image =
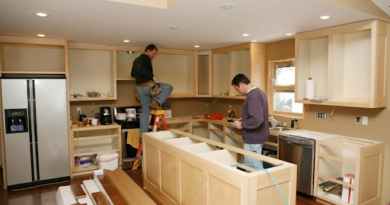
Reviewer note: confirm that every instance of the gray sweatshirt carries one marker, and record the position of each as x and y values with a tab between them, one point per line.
255	117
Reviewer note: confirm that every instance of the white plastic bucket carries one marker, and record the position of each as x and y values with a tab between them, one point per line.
107	161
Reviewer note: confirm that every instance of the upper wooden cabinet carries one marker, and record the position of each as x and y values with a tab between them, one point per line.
33	55
348	64
247	59
177	69
203	74
92	69
124	64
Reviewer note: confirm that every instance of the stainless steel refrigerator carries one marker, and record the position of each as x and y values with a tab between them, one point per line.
35	129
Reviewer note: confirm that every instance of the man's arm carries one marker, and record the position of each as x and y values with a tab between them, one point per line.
144	67
255	113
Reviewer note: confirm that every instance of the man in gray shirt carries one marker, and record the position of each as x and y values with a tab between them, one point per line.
254	120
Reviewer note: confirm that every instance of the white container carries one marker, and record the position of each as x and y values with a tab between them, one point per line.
107	161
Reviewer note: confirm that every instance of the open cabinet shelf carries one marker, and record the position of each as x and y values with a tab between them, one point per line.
92	71
247	59
91	140
32	55
336	157
348	64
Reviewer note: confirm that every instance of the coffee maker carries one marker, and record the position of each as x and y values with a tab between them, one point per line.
105	116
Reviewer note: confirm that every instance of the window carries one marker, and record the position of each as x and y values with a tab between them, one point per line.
282	87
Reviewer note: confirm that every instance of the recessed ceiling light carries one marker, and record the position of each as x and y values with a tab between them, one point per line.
126	41
41	35
227	6
174	27
324	17
245	34
254	41
41	14
288	34
196	46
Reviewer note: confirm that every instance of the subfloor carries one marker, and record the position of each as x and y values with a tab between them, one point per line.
45	195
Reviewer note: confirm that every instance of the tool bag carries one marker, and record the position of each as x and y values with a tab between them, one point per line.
154	89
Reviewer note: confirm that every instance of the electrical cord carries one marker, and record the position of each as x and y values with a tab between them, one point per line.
257	166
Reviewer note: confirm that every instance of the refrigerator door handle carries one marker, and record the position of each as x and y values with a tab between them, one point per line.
30	133
35	128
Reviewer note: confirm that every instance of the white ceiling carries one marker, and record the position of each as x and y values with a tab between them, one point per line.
383	4
200	22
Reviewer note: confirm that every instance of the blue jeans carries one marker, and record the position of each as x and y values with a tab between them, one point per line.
257	148
145	98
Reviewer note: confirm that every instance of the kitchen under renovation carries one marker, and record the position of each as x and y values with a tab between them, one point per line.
194	102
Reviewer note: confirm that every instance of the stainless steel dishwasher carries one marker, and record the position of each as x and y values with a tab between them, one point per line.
299	151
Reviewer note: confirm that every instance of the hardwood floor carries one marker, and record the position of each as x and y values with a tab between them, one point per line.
45	195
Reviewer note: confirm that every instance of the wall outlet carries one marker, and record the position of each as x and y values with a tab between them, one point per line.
321	115
230	106
357	120
365	120
205	104
79	110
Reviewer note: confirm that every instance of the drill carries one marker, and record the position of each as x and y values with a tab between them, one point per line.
231	116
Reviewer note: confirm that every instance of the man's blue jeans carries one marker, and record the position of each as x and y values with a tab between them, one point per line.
145	99
256	148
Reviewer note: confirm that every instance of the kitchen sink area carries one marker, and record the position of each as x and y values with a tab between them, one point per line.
280	129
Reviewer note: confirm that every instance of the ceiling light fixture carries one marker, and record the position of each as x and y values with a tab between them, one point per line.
196	46
254	41
227	6
126	41
288	34
41	14
245	34
324	17
41	35
174	27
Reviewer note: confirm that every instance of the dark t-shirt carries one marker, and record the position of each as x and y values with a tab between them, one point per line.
142	69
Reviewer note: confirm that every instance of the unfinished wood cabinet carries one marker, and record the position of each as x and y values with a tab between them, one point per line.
21	55
247	59
92	69
348	64
91	140
338	156
124	64
180	168
176	69
203	74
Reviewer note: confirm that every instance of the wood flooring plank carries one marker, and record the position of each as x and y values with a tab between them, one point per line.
77	191
99	198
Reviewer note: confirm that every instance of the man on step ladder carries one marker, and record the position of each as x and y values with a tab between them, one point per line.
148	91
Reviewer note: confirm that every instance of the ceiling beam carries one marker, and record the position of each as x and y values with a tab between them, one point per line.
365	6
162	4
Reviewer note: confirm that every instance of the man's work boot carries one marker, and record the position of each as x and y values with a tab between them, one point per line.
155	105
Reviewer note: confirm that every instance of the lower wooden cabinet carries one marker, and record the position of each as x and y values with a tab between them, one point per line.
181	168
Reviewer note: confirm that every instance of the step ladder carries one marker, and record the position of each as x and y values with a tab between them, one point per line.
156	115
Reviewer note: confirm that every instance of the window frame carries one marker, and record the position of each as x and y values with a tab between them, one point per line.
272	65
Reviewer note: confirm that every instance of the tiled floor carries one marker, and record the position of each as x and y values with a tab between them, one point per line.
45	195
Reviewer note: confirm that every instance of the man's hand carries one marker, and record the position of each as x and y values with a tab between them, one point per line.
238	124
155	79
239	119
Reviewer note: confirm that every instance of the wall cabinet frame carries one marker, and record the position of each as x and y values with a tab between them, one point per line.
247	58
348	64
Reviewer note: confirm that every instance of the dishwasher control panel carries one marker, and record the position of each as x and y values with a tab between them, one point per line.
296	139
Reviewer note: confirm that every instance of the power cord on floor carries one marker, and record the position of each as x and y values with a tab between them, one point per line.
257	166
